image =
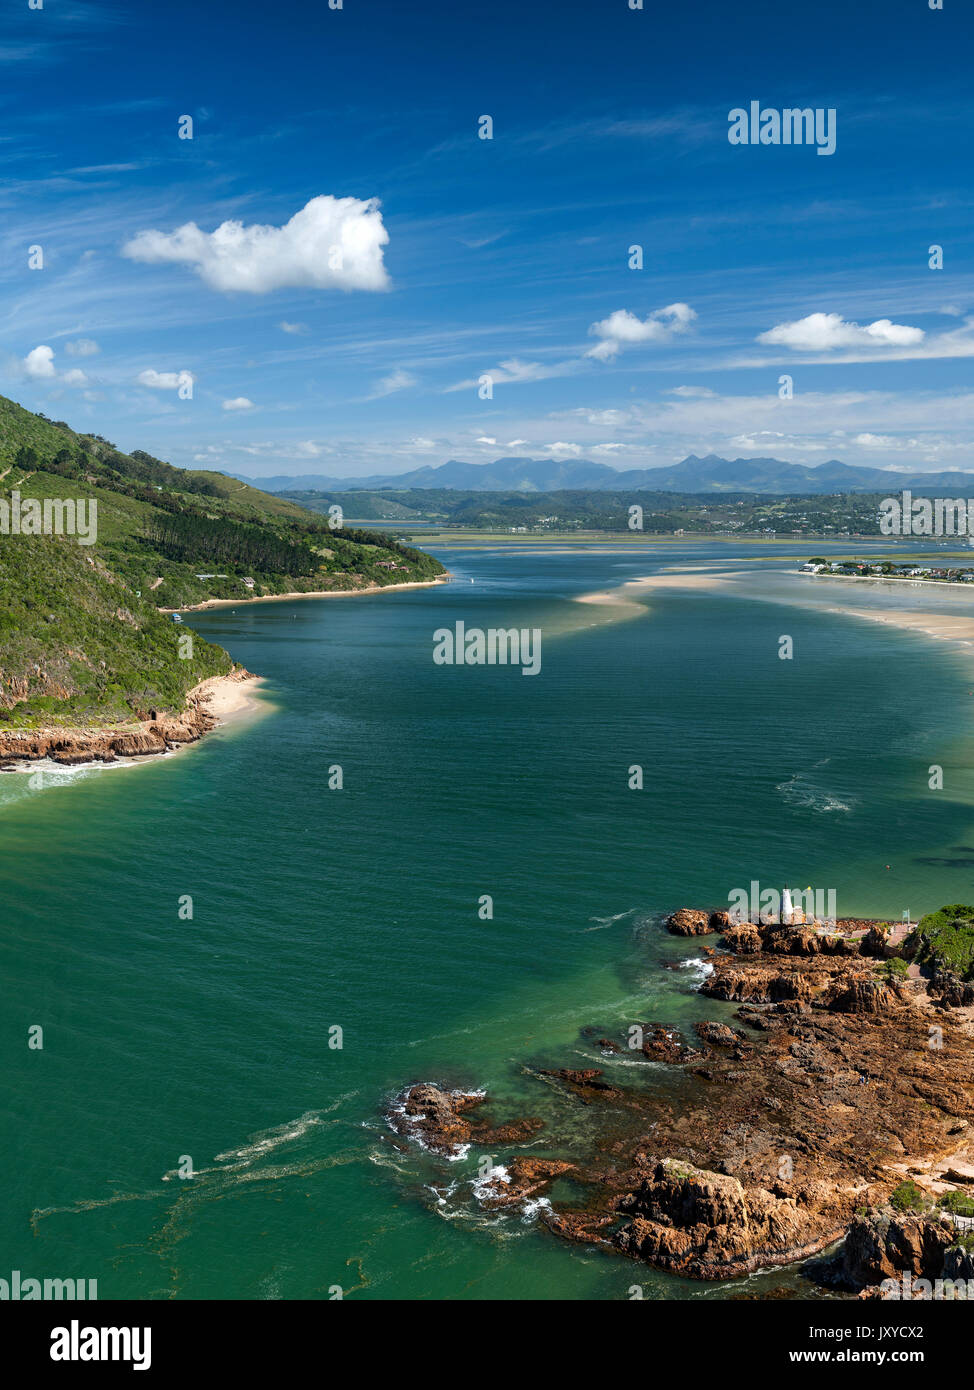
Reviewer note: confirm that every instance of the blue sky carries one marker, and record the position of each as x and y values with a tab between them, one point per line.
507	257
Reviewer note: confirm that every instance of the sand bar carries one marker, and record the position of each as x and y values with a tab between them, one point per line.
627	595
947	627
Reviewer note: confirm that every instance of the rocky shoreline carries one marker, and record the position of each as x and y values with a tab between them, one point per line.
848	1084
160	732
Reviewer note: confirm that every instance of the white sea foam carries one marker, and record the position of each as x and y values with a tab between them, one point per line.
483	1190
603	922
616	1059
265	1141
698	966
482	1186
532	1208
441	1194
800	792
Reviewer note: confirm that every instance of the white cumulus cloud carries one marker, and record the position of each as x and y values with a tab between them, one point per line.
164	381
876	441
238	403
39	363
823	332
82	347
623	329
332	243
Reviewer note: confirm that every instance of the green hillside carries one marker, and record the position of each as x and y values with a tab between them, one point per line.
77	647
81	635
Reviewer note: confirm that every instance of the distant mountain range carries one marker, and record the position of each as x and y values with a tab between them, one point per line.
710	474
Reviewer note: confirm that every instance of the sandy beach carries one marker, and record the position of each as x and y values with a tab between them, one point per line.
316	593
228	698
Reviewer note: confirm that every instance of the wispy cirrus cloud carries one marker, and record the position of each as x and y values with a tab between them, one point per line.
81	347
513	370
397	380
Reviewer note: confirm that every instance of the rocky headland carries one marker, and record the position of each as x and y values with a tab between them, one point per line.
838	1106
208	705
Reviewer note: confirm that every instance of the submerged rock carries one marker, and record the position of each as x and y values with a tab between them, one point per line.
665	1045
439	1120
585	1083
524	1179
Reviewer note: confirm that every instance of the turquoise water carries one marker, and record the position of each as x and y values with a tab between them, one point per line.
357	908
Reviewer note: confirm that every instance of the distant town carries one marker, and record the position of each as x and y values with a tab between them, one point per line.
886	569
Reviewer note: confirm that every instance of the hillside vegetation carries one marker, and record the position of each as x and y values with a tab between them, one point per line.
78	648
82	638
945	939
663	513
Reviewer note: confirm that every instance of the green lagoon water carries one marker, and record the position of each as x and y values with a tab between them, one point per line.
209	1037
